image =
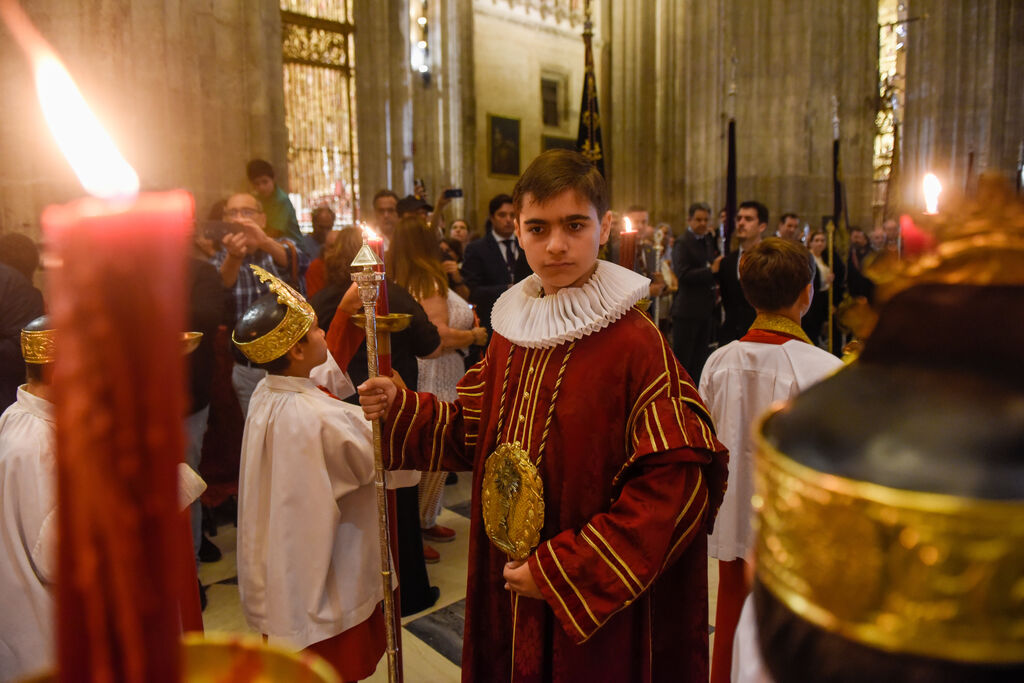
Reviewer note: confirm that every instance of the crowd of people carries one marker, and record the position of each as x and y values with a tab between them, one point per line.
674	357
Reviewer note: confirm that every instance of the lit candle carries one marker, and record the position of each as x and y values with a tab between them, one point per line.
376	243
627	245
117	299
932	190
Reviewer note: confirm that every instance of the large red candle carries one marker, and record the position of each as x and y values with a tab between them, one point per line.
118	301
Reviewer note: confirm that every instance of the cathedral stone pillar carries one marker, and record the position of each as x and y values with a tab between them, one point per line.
963	97
384	112
189	90
671	68
440	134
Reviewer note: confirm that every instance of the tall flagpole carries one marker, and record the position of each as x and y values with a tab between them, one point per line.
588	137
837	208
730	163
368	279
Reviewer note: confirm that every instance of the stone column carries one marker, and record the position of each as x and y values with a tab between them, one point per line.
383	98
439	133
189	90
963	95
670	71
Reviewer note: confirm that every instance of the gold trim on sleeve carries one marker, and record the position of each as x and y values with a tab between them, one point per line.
558	565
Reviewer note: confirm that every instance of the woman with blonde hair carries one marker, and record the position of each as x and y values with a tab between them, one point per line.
414	261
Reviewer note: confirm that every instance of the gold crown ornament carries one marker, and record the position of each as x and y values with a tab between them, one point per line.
298	318
39	346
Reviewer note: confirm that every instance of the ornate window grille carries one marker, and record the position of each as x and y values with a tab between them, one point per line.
892	29
320	106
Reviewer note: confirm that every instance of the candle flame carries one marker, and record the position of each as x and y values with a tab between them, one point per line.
91	152
370	234
932	189
629	225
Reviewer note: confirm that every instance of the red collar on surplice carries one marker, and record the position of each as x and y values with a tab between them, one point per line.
324	389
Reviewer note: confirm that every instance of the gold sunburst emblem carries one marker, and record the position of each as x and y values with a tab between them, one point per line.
513	501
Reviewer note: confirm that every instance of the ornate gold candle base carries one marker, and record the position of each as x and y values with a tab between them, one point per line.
386	324
190	341
392	322
238	658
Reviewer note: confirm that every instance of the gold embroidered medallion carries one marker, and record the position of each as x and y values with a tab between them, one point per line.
513	501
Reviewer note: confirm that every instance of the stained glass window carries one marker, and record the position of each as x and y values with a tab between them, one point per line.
320	100
892	30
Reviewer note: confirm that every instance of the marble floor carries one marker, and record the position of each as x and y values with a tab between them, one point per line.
431	640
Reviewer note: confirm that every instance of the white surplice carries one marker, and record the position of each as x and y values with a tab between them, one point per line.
308	540
28	536
739	383
747	663
28	533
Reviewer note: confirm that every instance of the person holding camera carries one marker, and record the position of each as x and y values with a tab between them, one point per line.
247	243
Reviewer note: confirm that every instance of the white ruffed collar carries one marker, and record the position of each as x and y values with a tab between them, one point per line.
526	318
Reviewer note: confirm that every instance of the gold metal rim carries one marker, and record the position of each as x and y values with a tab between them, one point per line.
39	346
392	322
190	341
923	501
928	574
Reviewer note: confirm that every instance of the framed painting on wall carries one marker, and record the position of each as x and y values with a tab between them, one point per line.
504	145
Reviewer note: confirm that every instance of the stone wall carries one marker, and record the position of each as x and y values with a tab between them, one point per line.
667	140
512	47
189	90
963	94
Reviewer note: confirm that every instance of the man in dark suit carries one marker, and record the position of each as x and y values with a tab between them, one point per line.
494	262
751	222
695	262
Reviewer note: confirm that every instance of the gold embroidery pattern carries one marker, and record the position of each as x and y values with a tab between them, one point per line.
297	320
779	323
905	571
39	346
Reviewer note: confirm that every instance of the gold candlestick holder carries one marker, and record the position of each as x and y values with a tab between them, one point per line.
368	280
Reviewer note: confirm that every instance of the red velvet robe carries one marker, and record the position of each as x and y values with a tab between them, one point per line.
633	476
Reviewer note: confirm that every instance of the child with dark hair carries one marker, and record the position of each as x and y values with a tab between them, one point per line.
308	553
281	218
596	472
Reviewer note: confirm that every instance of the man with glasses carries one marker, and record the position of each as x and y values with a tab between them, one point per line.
249	245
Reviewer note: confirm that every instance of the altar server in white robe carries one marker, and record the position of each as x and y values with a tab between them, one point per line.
308	540
28	515
773	361
28	512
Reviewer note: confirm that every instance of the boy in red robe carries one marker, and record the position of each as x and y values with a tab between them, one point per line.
596	471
